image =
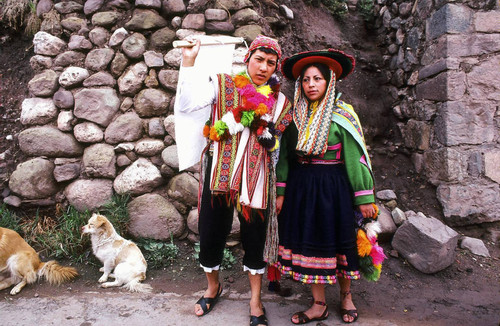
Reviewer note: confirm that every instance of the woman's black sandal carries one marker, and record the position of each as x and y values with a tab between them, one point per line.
348	312
203	302
304	319
261	320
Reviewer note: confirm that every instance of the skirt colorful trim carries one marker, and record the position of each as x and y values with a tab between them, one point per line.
317	226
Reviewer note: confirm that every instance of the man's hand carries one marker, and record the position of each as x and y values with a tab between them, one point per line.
279	203
189	54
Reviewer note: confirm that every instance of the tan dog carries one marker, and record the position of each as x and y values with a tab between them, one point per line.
116	253
20	264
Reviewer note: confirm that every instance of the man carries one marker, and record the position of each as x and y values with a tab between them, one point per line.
246	116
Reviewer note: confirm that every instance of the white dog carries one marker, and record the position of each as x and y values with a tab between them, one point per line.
116	253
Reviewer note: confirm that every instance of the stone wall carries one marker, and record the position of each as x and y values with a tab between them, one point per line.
99	120
443	64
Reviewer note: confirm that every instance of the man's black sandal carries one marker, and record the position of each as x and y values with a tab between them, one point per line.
203	302
261	320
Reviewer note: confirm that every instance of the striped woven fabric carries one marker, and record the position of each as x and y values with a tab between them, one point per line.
313	137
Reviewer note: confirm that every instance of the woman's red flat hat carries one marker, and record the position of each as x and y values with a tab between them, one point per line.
341	63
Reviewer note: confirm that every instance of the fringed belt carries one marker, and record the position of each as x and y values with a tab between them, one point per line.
307	160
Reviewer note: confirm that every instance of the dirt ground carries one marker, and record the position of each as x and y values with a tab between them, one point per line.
468	292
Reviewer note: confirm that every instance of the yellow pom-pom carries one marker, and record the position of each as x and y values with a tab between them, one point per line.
364	245
265	90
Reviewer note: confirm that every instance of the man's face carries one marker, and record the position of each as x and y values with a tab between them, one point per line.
261	66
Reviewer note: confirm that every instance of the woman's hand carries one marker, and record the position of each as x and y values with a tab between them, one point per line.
189	54
279	203
367	210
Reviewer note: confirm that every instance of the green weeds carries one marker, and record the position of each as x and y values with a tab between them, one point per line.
9	220
338	8
366	10
20	14
60	237
158	254
228	260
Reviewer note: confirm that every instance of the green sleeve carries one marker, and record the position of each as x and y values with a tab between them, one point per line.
287	154
358	172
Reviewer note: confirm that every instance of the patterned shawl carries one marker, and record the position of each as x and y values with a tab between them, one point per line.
240	164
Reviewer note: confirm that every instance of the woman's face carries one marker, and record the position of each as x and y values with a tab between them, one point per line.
313	84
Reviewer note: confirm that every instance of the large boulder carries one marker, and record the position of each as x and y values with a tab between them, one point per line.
38	111
44	84
101	78
134	46
34	179
64	99
152	102
99	59
427	243
387	225
73	76
98	105
153	216
89	194
139	178
48	141
170	157
149	147
184	188
144	19
99	36
88	132
66	169
173	7
46	44
99	161
125	128
162	38
131	81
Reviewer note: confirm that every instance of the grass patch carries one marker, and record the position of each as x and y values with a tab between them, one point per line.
14	12
117	213
9	220
19	14
366	10
157	253
60	236
228	259
338	8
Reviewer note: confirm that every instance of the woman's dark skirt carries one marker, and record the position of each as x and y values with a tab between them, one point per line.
317	226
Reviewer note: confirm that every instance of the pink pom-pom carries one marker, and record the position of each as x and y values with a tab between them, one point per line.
377	254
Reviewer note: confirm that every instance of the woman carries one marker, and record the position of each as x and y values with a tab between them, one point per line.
323	176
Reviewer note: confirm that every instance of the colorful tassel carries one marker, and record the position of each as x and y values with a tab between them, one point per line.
377	254
364	245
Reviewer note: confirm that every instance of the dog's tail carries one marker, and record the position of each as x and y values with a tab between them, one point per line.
136	286
55	273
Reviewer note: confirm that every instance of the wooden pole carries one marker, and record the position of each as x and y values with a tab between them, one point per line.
213	41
